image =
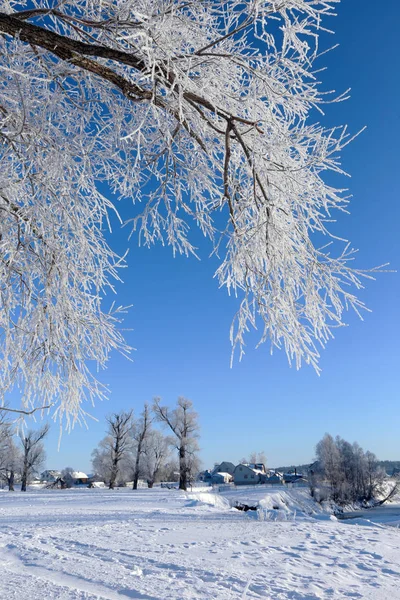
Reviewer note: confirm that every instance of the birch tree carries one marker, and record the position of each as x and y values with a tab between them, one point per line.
197	112
182	421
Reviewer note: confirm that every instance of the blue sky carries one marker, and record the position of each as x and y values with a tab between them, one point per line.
180	319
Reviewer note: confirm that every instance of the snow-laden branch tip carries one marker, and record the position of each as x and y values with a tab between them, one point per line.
193	110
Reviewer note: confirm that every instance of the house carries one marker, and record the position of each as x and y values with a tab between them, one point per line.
224	467
272	478
258	467
205	476
50	475
245	474
221	478
79	478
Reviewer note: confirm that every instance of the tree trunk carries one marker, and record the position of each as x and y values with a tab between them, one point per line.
114	473
136	471
24	478
11	478
183	479
137	464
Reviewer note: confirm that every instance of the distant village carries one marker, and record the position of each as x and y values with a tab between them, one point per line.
249	474
223	473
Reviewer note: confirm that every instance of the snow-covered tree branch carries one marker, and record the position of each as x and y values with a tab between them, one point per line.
198	111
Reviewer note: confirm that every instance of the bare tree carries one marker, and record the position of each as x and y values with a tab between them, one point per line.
33	454
375	475
10	455
156	454
328	458
140	432
102	459
170	471
67	475
192	109
5	429
183	423
116	444
10	462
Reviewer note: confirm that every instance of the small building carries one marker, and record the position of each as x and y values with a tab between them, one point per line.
246	475
79	478
220	478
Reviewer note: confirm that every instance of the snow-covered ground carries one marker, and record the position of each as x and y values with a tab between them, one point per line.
166	545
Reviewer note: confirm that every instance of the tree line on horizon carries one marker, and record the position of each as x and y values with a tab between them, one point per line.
132	448
389	466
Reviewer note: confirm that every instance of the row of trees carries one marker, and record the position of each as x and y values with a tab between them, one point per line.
134	449
21	454
344	472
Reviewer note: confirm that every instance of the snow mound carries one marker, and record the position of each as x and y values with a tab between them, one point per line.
207	499
280	504
281	507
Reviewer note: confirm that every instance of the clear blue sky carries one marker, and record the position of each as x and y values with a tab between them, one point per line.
181	320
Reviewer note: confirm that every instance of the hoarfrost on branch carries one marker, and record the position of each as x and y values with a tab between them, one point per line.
197	110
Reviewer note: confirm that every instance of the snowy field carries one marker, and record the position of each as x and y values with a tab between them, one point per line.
166	545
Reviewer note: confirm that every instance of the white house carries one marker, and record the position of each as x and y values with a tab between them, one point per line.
224	467
50	475
247	475
79	478
221	478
